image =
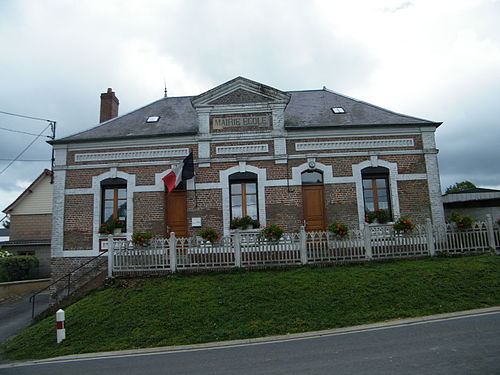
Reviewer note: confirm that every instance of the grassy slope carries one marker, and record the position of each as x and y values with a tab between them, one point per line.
185	309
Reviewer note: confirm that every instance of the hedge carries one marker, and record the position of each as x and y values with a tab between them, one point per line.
16	268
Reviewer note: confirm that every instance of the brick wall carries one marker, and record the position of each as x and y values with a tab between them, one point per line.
341	204
78	221
31	227
414	200
149	212
284	204
61	266
206	204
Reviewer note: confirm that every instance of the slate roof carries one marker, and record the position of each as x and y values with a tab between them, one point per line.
306	109
313	108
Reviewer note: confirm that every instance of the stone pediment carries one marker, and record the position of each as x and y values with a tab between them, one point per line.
240	96
240	91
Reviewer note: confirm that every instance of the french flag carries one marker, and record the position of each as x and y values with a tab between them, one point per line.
182	171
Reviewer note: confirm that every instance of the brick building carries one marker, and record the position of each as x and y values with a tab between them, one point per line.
285	158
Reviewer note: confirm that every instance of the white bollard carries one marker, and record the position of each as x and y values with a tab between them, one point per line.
61	331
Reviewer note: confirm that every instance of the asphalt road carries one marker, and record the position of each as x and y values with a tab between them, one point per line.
463	345
15	314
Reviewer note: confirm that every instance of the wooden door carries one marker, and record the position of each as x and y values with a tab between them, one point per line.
314	207
176	213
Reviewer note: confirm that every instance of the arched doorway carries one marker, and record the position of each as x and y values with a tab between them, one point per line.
313	196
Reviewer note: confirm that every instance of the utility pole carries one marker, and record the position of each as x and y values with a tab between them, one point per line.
53	159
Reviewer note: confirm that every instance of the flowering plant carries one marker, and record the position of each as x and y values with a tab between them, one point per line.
141	238
404	225
339	229
463	222
4	254
109	226
244	222
209	234
382	216
272	232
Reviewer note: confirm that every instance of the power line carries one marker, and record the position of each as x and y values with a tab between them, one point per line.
52	125
26	148
27	159
19	131
24	116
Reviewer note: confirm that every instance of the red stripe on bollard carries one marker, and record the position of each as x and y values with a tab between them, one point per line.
60	325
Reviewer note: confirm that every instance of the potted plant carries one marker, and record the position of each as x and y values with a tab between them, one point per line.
141	238
112	227
378	216
272	232
245	222
209	234
463	222
339	229
403	225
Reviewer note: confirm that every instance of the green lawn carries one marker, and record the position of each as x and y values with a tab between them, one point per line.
196	308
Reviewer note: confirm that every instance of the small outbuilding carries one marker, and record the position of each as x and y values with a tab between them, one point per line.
476	202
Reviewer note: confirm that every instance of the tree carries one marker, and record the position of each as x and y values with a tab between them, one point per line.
460	186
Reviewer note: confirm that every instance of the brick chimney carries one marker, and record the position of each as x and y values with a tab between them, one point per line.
109	105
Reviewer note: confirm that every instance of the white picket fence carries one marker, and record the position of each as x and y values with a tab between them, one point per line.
243	249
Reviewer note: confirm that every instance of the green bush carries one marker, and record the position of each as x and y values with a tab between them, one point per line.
16	268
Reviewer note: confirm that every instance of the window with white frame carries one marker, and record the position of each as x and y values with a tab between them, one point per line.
243	195
376	190
114	199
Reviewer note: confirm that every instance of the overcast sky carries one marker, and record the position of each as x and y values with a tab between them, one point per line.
438	60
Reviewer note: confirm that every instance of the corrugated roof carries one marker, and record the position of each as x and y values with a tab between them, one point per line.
306	109
476	190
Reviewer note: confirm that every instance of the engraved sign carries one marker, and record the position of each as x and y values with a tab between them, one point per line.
261	121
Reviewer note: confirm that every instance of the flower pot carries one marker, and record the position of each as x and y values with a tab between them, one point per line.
117	231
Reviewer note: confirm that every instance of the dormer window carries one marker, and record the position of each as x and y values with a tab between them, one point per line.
153	119
338	110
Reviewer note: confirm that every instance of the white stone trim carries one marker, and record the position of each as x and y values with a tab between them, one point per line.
138	154
163	141
204	150
279	146
248	158
393	178
224	185
57	243
433	180
411	176
242	149
341	145
326	169
81	253
96	191
60	155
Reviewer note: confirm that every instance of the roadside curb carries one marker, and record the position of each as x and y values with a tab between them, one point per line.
261	340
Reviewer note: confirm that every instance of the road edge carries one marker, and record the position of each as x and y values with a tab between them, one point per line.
260	340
